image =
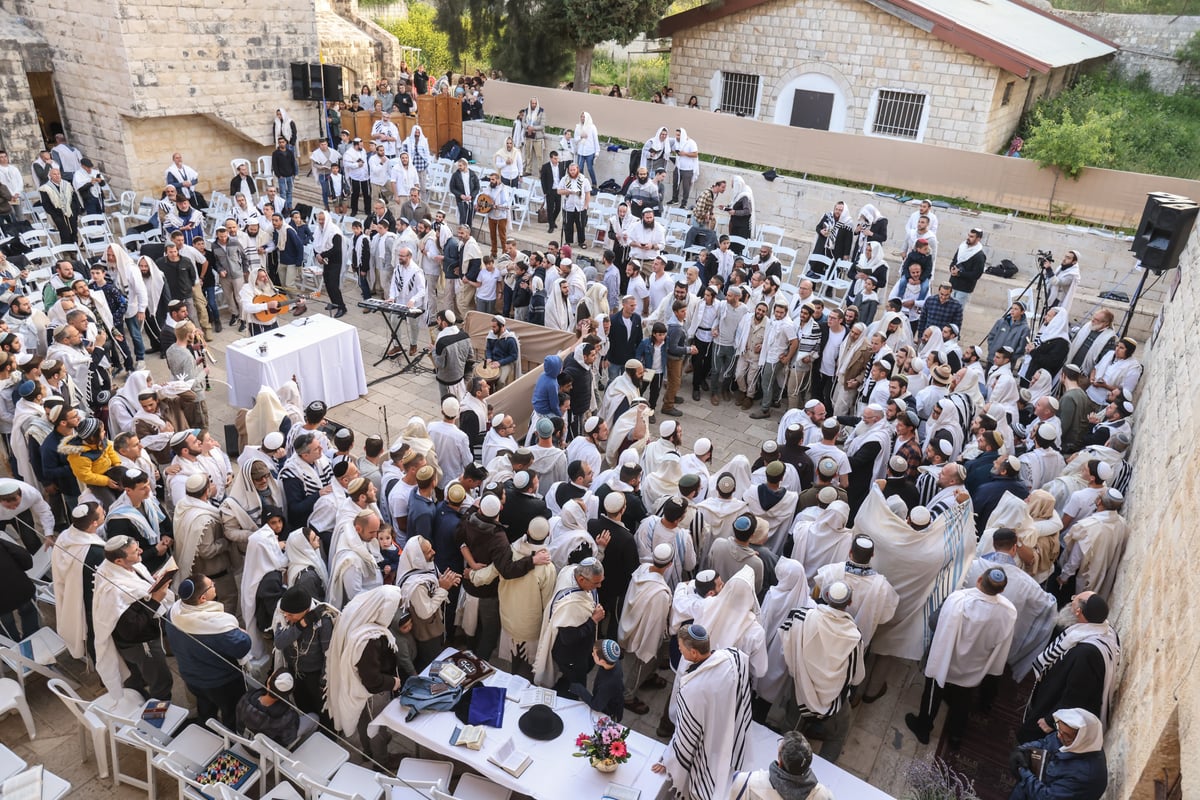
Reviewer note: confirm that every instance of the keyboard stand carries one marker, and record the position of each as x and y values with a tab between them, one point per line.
393	322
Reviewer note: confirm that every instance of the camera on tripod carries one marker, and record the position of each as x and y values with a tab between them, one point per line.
1044	257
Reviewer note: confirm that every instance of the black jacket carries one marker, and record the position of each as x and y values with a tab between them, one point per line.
969	272
15	587
622	346
549	188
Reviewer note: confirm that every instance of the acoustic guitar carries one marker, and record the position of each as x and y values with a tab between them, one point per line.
296	305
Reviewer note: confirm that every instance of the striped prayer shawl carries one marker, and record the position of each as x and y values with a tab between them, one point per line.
852	663
1100	635
705	724
955	562
315	477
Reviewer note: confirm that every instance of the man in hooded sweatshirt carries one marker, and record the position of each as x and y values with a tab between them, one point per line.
545	393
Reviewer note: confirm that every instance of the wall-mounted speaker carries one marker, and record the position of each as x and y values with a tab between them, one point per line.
1166	224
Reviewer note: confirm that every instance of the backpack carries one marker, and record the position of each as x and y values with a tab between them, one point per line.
420	693
609	187
1005	269
450	149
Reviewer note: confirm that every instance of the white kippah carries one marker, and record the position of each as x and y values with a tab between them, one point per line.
590	424
919	516
1104	471
663	554
273	441
701	446
489	506
284	682
79	512
497	420
614	502
898	464
811	404
838	592
770	446
450	406
667	428
946	446
827	495
521	479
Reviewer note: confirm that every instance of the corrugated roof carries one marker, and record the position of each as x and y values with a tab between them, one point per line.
1011	34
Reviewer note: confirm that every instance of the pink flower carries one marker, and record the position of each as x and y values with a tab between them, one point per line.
581	740
618	749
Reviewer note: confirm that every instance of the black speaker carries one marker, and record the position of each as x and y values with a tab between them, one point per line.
316	82
332	81
1166	224
301	82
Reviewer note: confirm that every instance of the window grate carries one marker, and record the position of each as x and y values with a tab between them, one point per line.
739	93
898	114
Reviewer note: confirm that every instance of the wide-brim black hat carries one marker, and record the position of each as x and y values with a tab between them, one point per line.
541	723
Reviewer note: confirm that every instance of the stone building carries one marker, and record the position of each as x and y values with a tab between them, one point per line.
132	81
945	72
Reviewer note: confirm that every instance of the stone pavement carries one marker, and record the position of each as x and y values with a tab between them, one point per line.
879	745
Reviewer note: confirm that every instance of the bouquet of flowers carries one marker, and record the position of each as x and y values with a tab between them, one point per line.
606	744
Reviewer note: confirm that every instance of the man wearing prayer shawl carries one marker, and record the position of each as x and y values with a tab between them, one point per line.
1093	547
665	528
200	544
868	451
355	557
643	624
564	654
970	643
1036	608
127	621
1077	669
823	539
720	509
731	618
77	553
712	700
873	599
362	669
789	777
771	502
209	648
823	650
524	599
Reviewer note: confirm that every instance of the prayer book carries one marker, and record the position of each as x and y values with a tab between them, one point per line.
164	575
513	685
470	737
619	791
155	712
1037	762
508	758
536	695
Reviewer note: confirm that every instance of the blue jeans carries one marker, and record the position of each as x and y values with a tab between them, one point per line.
589	162
324	181
364	286
134	329
698	234
962	297
285	190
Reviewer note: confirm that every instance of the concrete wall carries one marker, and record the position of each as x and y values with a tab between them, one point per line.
797	206
871	49
22	52
1148	43
1158	696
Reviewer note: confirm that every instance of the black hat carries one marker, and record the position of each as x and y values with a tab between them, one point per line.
770	175
541	723
295	601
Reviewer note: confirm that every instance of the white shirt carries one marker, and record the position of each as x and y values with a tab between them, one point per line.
687	163
385	128
12	179
380	168
355	161
780	333
646	242
660	286
578	188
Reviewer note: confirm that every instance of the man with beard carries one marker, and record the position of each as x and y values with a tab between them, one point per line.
575	189
578	366
407	288
779	346
452	353
470	261
260	287
642	193
648	239
966	267
725	353
835	235
748	343
588	447
1093	341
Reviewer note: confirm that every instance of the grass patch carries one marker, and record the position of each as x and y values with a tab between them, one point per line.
1157	134
1131	6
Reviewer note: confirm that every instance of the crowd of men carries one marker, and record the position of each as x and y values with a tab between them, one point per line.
922	499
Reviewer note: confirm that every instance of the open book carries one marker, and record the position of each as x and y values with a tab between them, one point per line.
619	791
513	685
536	695
470	737
164	575
25	785
508	758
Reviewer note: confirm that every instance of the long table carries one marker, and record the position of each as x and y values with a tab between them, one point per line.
321	351
554	773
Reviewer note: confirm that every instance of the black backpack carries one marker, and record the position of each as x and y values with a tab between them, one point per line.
1005	269
450	149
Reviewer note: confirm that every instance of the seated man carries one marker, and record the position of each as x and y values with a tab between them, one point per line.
790	776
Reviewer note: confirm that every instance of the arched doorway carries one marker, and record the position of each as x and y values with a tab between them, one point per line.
812	100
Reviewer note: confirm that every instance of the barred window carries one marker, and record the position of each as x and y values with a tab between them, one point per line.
739	94
898	114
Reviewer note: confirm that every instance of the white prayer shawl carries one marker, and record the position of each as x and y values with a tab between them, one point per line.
973	637
712	722
644	618
621	388
947	421
1013	512
191	516
1123	373
23	416
570	608
778	518
1098	634
1040	466
824	654
922	566
567	531
1060	289
263	556
1101	538
823	540
365	618
789	481
1093	354
720	513
493	443
154	282
116	590
652	532
66	568
662	483
731	618
691	464
350	552
1036	610
301	555
790	592
622	428
265	416
879	432
656	452
873	601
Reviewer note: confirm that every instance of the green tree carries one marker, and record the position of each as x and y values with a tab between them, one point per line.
420	30
1068	146
591	22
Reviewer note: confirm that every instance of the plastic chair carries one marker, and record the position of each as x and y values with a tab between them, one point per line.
263	173
350	782
10	763
12	698
319	758
401	789
234	163
89	723
474	787
38	652
771	234
520	208
426	770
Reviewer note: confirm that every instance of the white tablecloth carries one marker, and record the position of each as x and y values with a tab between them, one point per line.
554	769
322	352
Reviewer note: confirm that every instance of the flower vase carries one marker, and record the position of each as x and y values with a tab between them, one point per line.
604	764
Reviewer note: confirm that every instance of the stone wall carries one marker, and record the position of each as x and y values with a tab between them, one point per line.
1148	43
22	51
783	40
362	48
225	67
797	205
1155	724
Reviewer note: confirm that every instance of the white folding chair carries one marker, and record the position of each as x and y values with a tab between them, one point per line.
12	698
128	198
10	763
42	256
677	235
38	652
675	263
350	782
234	163
474	787
400	789
520	208
735	241
680	215
319	757
242	746
837	281
89	723
771	234
426	770
66	250
110	198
